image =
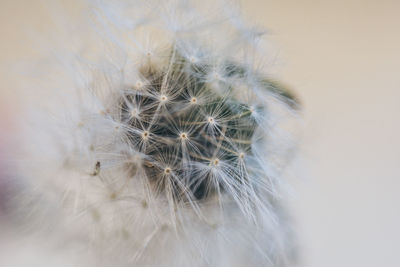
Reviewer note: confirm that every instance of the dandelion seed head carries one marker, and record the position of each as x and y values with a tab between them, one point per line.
167	135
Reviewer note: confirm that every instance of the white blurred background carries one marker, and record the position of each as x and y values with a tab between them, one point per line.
343	60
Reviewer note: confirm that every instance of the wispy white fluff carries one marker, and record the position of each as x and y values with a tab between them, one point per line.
138	116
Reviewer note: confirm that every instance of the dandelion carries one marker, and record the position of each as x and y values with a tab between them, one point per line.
183	157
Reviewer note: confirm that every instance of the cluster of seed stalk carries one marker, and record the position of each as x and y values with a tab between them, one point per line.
192	136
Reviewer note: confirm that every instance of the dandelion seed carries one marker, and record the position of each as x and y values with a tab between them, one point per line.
215	162
104	112
134	112
167	170
145	135
139	85
144	204
95	215
183	136
113	195
193	59
163	98
148	164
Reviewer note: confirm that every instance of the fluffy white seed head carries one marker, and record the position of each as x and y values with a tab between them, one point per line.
166	140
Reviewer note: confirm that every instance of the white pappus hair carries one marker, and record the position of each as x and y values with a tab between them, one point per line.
160	141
